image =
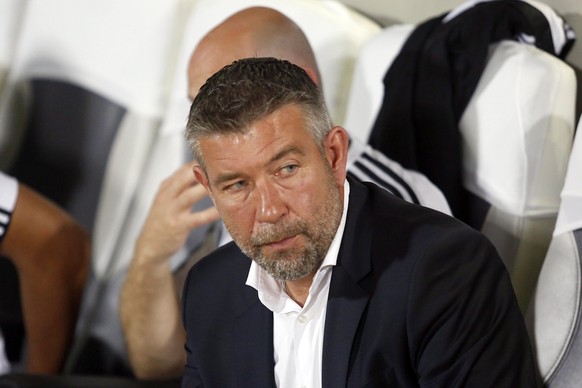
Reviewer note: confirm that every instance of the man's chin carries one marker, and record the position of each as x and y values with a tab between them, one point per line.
287	276
282	267
288	268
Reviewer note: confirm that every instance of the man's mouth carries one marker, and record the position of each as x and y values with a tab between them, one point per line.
284	243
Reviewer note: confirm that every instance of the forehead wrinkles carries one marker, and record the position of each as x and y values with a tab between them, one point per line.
286	124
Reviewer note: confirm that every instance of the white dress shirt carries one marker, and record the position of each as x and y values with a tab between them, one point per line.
297	331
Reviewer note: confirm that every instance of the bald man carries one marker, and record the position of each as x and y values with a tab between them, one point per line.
149	306
259	32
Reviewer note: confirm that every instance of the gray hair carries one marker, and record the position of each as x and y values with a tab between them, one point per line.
249	90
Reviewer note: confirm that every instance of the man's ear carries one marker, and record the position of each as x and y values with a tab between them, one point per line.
336	152
202	178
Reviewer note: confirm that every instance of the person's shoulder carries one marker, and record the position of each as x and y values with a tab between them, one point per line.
421	237
388	205
392	215
225	264
226	257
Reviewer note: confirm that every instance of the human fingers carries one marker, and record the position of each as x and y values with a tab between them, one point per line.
192	195
180	180
203	217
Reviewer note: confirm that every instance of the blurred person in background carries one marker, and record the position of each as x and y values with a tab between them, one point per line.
50	251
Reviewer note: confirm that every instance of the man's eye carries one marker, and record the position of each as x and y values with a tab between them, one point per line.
288	170
237	186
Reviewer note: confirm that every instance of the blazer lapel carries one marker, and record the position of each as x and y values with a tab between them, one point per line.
347	299
344	311
253	344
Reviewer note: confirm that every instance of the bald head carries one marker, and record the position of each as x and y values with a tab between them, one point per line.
253	32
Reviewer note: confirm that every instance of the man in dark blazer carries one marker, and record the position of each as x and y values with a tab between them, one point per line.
372	291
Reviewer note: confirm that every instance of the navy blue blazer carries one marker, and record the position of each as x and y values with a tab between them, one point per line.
417	298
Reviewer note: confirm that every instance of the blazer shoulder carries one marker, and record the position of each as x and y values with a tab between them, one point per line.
397	223
389	209
226	265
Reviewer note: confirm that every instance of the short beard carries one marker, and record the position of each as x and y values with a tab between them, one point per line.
297	263
289	264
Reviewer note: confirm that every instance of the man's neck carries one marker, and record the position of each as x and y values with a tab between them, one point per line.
298	290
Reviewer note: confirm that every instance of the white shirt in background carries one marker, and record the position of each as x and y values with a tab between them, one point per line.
8	195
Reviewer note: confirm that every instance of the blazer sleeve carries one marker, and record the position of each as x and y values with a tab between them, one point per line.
465	326
191	378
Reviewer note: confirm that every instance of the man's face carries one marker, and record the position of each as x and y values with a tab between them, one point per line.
280	198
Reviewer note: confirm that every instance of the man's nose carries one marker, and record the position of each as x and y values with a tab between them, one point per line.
271	204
